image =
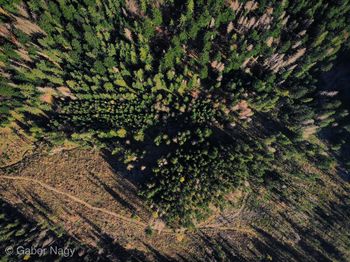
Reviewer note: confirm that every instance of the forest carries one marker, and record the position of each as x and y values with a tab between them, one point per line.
193	99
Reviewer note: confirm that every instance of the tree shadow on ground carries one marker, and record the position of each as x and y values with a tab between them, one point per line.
116	252
116	196
29	234
109	247
219	248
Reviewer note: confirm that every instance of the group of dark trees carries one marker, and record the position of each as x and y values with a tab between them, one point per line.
197	96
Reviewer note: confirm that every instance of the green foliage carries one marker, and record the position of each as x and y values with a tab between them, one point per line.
185	182
16	231
190	84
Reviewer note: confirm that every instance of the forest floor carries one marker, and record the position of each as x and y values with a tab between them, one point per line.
77	190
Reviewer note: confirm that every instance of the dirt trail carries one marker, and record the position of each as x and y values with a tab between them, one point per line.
111	213
75	199
206	224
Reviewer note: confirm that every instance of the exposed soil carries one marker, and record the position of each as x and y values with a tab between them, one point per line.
78	190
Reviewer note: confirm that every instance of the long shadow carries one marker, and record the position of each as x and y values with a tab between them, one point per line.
113	193
221	249
344	174
313	245
232	253
274	247
39	206
113	250
17	230
134	177
157	255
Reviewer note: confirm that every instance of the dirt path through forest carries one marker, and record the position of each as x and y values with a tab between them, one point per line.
111	213
75	199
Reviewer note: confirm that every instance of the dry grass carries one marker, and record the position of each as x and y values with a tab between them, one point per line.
77	189
27	26
13	147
